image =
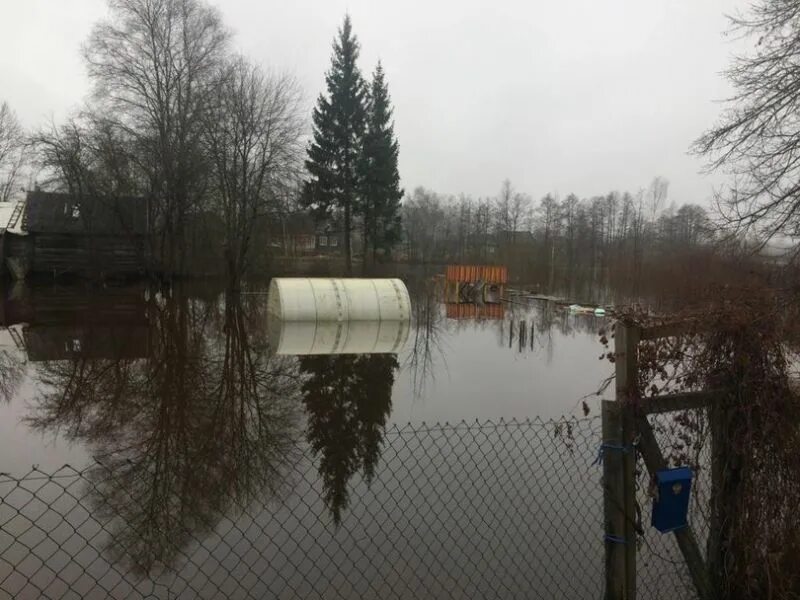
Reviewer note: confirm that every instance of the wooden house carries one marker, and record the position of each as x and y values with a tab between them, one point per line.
61	234
330	241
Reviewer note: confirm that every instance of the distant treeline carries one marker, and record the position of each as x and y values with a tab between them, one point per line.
555	242
218	146
215	143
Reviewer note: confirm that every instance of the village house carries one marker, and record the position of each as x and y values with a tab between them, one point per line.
59	234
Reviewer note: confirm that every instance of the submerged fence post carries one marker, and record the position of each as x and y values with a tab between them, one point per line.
531	334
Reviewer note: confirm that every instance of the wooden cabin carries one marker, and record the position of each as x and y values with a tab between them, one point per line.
61	234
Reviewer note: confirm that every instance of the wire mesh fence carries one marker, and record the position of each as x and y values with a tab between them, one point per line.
481	510
662	573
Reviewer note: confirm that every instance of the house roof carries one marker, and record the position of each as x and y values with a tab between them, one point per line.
6	208
6	215
48	212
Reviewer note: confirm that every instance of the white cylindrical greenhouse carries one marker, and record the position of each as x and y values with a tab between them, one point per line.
338	316
329	299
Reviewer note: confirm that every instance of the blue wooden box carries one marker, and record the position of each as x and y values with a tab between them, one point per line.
671	503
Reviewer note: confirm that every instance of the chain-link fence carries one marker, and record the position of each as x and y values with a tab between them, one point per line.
482	510
661	571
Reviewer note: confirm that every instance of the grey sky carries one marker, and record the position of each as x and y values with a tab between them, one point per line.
559	96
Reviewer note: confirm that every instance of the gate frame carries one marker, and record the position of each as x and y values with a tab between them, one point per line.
627	431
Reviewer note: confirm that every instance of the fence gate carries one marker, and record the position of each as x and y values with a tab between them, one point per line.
627	434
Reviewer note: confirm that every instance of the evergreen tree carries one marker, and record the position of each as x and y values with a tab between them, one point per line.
339	122
381	193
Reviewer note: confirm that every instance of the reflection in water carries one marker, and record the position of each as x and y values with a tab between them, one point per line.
194	410
348	399
426	340
204	423
348	372
529	326
12	371
337	337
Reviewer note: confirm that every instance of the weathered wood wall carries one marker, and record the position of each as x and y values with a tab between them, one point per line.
87	256
17	245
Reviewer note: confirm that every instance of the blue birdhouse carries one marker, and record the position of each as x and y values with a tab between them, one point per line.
671	502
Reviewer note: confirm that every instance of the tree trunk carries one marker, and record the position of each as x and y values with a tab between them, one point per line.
347	254
365	245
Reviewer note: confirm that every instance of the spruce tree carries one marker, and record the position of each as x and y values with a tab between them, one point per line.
380	192
339	121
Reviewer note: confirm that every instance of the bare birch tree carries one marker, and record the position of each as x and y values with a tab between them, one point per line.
153	64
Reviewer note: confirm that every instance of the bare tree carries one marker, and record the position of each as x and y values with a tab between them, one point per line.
64	158
503	210
86	157
253	140
757	140
657	196
12	371
520	212
12	151
153	64
424	220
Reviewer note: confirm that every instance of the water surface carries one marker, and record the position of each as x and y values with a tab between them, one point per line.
81	367
440	470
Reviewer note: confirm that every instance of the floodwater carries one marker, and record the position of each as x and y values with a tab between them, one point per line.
83	368
191	443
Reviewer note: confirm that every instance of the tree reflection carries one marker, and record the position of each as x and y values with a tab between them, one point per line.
541	318
348	399
12	371
426	336
203	425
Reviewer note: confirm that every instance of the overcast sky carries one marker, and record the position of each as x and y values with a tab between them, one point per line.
558	96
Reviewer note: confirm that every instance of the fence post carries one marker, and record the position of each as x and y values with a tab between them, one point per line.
626	344
613	502
619	474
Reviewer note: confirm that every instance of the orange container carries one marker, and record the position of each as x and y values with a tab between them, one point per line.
473	273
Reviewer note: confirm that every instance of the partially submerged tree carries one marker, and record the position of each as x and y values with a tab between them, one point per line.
757	139
425	223
252	139
153	65
339	122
